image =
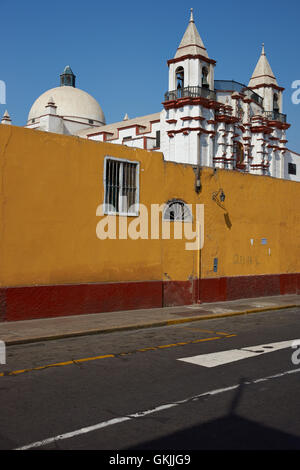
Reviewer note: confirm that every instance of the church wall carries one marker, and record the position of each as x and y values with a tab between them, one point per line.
134	135
52	262
294	158
71	127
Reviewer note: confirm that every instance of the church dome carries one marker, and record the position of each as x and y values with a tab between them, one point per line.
72	103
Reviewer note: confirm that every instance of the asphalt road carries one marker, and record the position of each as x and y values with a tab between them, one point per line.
130	391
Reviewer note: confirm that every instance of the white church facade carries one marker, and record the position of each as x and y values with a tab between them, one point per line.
204	122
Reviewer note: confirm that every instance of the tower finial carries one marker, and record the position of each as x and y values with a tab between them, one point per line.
192	16
191	43
263	74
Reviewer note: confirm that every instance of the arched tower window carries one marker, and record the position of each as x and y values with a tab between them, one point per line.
205	83
179	78
177	210
275	103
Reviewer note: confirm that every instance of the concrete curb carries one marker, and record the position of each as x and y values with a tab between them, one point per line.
98	331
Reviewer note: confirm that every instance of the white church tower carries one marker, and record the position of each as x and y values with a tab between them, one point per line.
189	102
264	82
268	129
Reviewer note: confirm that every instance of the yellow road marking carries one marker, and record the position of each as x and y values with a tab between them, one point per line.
58	364
192	328
146	349
223	334
205	339
95	358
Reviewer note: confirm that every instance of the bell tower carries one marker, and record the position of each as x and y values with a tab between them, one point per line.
263	82
269	126
188	101
191	62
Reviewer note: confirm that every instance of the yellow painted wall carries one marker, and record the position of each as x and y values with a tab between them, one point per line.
51	186
258	207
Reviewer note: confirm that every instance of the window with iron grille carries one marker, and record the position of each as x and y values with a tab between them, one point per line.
292	169
121	186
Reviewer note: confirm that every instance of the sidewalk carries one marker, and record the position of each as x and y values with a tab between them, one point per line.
29	331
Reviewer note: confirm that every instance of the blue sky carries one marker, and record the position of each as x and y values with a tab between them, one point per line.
118	50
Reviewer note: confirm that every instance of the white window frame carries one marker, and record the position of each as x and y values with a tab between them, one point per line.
137	198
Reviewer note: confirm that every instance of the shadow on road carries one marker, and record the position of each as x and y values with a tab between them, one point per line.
231	432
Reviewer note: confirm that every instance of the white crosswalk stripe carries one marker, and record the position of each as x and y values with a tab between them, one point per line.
225	357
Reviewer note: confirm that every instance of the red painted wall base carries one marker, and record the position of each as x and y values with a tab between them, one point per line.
22	303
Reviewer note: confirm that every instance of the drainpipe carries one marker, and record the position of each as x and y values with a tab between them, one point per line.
198	188
198	170
199	251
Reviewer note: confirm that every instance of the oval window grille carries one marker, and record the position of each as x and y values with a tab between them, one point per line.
177	210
